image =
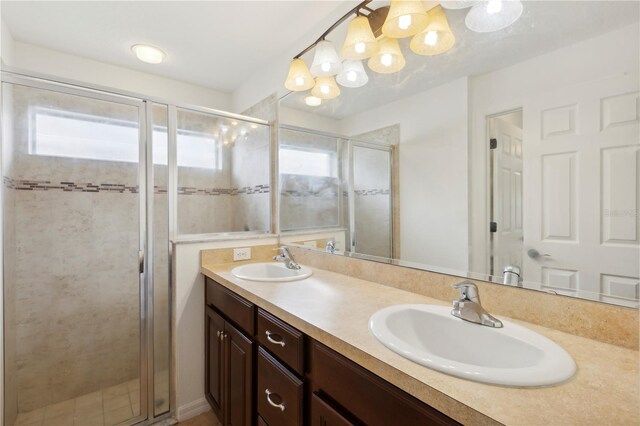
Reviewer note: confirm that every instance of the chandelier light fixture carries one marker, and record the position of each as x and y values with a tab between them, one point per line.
405	18
299	78
352	75
493	15
389	58
326	61
376	36
360	42
325	88
436	38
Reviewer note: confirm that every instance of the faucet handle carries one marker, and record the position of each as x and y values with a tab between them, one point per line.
468	291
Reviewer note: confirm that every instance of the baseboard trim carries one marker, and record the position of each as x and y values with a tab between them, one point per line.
192	409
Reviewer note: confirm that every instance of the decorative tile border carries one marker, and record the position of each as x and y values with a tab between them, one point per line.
365	192
324	193
45	185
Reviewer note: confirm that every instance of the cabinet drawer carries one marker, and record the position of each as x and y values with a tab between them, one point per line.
366	396
234	307
279	393
322	414
261	422
282	340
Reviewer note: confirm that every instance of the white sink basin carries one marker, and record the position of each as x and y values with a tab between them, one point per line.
272	272
511	356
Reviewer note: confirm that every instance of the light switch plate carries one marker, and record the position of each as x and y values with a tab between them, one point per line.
242	253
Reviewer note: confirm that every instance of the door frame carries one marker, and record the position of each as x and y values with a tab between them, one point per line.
491	192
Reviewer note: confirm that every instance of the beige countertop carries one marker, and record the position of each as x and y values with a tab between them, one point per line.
335	309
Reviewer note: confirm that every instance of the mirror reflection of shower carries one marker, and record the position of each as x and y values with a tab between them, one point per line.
338	189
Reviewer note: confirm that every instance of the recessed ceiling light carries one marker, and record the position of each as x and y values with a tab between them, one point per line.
312	101
148	54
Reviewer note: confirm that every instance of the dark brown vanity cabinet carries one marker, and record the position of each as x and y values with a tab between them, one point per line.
262	371
230	359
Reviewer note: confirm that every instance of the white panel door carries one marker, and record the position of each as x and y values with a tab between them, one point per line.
507	196
582	179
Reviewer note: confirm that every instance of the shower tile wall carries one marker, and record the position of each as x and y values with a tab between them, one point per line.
266	109
250	176
202	191
74	257
234	196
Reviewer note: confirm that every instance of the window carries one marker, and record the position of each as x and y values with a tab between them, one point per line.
74	135
296	161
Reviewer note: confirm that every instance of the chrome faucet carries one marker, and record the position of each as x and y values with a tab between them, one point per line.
468	307
287	258
331	247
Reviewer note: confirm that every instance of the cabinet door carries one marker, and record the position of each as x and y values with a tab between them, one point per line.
214	373
239	368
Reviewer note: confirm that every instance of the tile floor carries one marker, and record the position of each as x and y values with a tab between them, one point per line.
106	407
204	419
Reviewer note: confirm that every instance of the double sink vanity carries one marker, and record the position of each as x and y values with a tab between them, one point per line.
293	345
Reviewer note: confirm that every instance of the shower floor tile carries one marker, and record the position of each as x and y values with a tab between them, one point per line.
107	407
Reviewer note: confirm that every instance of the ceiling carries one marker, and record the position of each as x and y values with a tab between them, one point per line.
544	26
220	44
217	44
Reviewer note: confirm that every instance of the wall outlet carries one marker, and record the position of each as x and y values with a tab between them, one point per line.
242	254
313	244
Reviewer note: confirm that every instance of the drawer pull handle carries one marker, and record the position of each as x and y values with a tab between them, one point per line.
273	404
272	340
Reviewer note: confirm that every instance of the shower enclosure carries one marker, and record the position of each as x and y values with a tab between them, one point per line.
338	183
90	202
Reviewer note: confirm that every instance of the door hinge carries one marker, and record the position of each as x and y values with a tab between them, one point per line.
493	143
493	227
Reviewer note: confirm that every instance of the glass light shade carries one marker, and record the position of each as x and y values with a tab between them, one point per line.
325	88
299	78
352	75
493	15
457	4
148	54
389	58
436	38
360	42
326	61
405	18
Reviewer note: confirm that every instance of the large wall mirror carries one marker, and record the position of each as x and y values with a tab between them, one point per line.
512	157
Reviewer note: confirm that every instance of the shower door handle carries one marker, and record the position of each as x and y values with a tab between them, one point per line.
141	261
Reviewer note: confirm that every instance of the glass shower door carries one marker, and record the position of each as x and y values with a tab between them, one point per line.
73	235
371	220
